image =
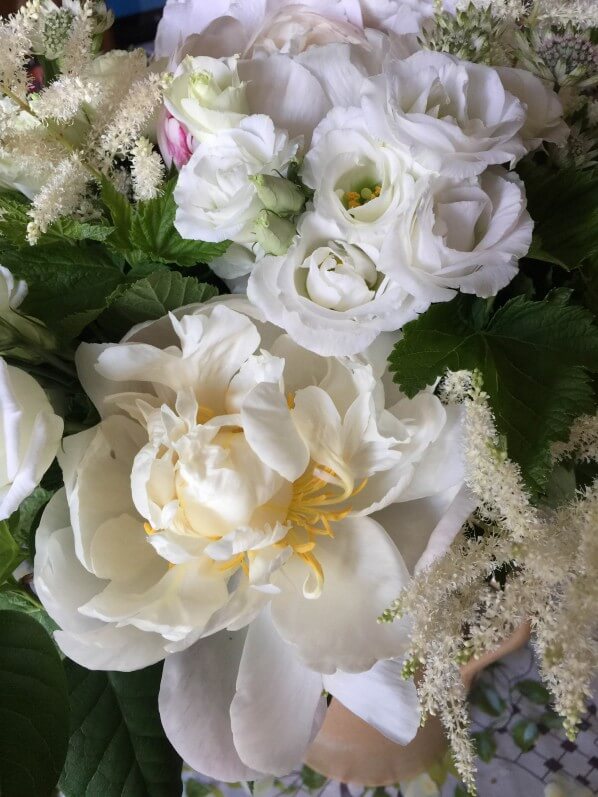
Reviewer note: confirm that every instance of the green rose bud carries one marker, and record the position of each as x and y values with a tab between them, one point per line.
278	194
273	233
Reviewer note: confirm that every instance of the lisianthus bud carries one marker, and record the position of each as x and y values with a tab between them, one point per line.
278	194
274	233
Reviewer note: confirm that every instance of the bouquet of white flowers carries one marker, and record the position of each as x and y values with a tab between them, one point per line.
298	393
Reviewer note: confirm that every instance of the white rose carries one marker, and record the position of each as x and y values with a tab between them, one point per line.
360	184
30	438
216	200
543	109
328	294
464	236
397	16
245	509
226	27
455	116
206	96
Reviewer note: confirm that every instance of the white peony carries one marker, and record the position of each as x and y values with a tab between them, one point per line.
206	96
30	436
543	109
216	200
227	27
455	116
245	509
329	294
360	184
460	235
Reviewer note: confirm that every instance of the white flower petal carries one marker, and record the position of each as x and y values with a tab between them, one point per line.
363	574
273	710
381	698
197	689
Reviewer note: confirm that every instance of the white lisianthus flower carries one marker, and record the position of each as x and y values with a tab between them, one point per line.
329	294
206	96
360	184
216	199
543	108
460	235
246	509
455	116
30	438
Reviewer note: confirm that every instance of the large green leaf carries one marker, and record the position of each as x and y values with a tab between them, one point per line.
117	745
33	708
152	297
65	280
532	356
564	206
13	598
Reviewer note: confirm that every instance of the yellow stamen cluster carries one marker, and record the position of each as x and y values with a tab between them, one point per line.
310	513
355	199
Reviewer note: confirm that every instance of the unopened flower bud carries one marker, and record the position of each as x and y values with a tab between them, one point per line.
273	233
278	194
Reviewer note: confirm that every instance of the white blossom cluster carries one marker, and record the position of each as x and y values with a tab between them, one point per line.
56	142
404	155
460	612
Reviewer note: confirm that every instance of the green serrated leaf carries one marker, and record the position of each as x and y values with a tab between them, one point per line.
532	356
153	232
15	599
551	720
525	734
33	708
120	211
10	553
152	297
564	206
24	521
487	699
68	286
534	691
117	745
485	745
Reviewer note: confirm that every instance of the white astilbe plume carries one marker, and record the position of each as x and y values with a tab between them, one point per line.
131	117
550	558
15	44
60	196
583	13
147	170
78	47
62	99
583	441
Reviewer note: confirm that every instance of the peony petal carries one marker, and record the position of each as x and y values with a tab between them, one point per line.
197	688
271	433
273	710
363	574
112	648
381	698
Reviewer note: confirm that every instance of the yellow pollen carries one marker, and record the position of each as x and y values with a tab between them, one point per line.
291	400
313	510
148	529
355	199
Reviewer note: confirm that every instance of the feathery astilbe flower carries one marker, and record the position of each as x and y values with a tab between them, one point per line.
147	170
131	116
62	99
60	196
551	563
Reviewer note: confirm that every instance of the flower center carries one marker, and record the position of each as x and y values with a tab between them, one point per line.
355	199
314	506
